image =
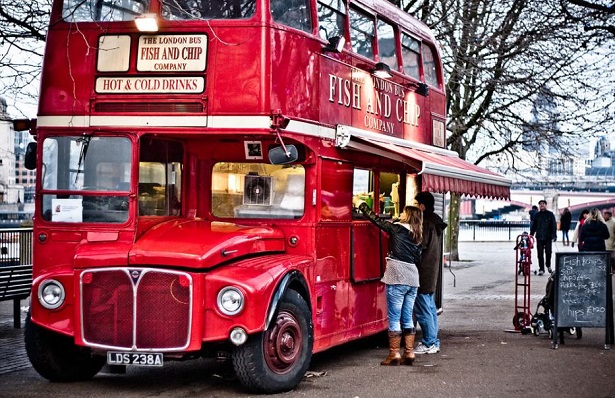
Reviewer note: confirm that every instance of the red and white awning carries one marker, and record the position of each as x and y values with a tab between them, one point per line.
441	170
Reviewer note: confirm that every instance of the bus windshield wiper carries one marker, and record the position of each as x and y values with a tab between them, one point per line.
85	143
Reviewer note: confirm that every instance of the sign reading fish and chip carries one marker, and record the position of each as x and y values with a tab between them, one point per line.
172	53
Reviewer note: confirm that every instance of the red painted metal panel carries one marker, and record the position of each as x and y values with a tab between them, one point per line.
366	258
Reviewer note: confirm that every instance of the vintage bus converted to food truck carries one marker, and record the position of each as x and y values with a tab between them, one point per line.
196	165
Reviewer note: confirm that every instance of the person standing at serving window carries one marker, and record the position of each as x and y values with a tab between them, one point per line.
401	277
429	270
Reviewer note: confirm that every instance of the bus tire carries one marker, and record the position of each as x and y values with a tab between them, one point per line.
275	360
57	358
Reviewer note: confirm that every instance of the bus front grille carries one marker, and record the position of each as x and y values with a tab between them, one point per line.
138	308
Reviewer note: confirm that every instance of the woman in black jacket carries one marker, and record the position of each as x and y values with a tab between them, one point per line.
401	277
593	233
564	225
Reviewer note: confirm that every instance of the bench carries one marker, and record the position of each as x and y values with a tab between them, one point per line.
15	284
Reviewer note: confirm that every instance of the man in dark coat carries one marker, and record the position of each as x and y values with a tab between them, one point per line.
544	229
429	268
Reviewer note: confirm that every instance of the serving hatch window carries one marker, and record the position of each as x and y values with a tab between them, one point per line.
363	188
103	11
258	190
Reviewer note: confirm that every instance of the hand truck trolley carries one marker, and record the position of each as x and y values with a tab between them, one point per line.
523	262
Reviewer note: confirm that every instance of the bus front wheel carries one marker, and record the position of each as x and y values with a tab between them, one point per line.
276	360
57	358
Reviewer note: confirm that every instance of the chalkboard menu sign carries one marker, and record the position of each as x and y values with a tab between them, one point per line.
583	291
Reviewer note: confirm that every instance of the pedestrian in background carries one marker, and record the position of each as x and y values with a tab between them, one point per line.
532	213
610	224
577	228
401	277
429	269
544	229
564	225
593	233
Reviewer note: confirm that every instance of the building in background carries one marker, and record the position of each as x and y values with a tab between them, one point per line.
16	182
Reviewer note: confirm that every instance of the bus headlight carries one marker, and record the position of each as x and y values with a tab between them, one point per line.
230	301
51	294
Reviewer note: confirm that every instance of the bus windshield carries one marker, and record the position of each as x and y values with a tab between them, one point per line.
207	9
103	11
97	169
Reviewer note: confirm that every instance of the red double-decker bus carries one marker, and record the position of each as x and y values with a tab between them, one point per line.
196	165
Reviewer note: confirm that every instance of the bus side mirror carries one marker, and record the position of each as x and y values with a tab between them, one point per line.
30	158
278	155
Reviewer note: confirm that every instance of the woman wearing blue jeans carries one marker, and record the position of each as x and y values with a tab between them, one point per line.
401	277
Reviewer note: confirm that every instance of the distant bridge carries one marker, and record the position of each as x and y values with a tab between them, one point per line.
522	200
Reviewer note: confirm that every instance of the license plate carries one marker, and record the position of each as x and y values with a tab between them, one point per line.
134	358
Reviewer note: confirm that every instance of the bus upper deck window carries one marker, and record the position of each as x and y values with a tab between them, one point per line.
362	34
207	9
429	67
386	45
410	52
103	11
331	18
293	13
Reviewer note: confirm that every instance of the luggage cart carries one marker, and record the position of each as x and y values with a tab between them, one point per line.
523	263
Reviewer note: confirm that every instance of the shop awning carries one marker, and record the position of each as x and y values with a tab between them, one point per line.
441	170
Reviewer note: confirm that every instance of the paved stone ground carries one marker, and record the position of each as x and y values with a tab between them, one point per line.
12	353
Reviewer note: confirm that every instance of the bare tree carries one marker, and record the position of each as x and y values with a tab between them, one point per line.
499	56
592	15
23	26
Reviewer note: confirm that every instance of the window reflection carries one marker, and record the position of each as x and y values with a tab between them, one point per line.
331	18
293	13
386	45
207	9
429	66
103	11
362	34
410	51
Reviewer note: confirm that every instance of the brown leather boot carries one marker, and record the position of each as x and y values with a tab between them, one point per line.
394	357
408	358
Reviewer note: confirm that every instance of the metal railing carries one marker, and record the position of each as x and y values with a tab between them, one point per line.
494	230
15	246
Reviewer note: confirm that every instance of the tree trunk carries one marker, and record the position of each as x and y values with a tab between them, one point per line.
452	231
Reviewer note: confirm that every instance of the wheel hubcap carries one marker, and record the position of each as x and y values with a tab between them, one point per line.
283	343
